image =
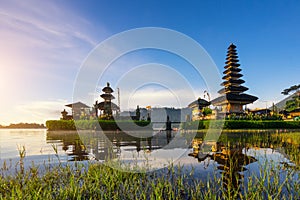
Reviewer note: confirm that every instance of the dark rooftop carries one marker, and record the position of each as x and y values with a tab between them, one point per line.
77	105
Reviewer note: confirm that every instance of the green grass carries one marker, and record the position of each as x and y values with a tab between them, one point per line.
102	182
96	124
145	125
243	124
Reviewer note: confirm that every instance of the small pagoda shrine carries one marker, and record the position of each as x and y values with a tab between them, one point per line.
232	97
79	110
197	107
106	107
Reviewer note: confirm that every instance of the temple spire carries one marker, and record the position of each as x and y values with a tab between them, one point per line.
232	79
107	106
232	94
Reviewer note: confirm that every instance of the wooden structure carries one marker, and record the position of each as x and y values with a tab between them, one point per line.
232	97
197	107
79	110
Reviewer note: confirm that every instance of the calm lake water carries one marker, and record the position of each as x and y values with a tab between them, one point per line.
251	150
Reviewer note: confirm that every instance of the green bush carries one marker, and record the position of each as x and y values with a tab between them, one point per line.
94	125
60	125
243	124
249	124
194	125
252	117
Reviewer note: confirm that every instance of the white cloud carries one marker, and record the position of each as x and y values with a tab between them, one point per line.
43	44
44	25
261	104
42	36
154	97
39	111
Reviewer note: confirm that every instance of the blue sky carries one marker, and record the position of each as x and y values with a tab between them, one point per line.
44	43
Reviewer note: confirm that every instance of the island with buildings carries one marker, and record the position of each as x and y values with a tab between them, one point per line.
231	104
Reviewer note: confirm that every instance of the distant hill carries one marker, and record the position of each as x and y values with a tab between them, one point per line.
24	125
281	105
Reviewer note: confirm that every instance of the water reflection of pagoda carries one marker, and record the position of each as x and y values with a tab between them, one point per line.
71	144
232	161
106	107
232	98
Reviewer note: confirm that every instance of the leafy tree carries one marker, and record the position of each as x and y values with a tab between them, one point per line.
295	102
206	111
292	104
290	89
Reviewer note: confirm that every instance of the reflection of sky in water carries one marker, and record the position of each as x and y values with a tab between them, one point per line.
264	155
39	150
268	159
33	140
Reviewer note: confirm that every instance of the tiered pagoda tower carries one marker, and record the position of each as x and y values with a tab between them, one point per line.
232	97
107	107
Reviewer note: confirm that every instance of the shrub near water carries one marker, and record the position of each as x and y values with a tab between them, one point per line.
243	124
93	124
236	124
60	125
194	125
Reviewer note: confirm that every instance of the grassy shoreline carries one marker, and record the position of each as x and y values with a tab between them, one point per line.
100	181
76	180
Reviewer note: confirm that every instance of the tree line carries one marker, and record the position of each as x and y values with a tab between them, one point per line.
24	125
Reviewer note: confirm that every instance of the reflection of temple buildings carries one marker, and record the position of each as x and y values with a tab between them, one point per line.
72	144
107	145
231	153
231	161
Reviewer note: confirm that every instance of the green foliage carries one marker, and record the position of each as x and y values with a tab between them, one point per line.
255	117
206	111
291	89
94	124
292	104
261	124
243	124
99	181
60	125
193	125
24	125
295	102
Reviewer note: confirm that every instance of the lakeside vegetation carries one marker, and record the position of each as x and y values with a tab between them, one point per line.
193	125
76	180
94	124
242	124
24	125
99	181
294	102
102	182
